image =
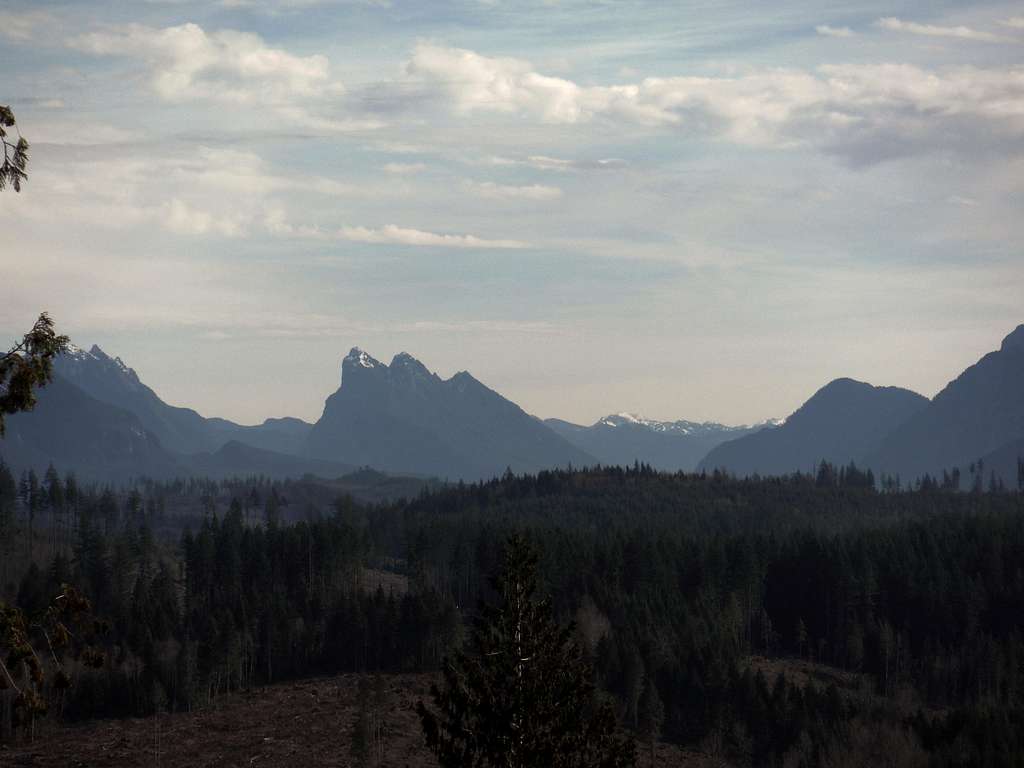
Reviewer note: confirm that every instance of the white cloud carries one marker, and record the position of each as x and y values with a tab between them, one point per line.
931	30
404	168
473	82
186	63
546	163
190	191
396	235
206	192
962	200
489	189
180	218
1015	22
827	31
852	109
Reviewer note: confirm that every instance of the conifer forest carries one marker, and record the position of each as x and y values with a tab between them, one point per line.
798	620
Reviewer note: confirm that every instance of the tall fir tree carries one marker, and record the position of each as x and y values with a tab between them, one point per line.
521	696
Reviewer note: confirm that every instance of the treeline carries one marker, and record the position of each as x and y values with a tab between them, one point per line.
691	593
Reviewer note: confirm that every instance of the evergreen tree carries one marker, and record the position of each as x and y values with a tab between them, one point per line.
53	488
652	716
34	505
15	152
29	363
36	646
521	696
8	499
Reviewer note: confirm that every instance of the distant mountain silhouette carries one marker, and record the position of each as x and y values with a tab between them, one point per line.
403	418
77	432
625	438
236	459
842	422
98	419
180	430
978	413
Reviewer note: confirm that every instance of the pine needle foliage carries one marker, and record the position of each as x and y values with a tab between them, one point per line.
28	365
521	695
35	651
15	152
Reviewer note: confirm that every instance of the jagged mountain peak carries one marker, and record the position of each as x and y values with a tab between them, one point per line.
404	418
404	358
179	430
464	381
97	362
405	363
357	363
358	358
1014	341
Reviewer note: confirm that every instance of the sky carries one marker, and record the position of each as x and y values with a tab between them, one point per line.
689	210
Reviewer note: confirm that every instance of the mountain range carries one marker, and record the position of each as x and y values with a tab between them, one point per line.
669	446
180	430
840	423
978	415
99	419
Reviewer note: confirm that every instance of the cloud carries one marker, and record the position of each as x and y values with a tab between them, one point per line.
827	31
21	27
66	132
490	190
864	111
186	191
392	234
207	192
275	7
180	218
473	82
545	163
186	64
404	168
931	30
1015	22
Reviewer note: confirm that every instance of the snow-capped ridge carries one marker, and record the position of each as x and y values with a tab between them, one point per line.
96	356
75	352
680	427
358	357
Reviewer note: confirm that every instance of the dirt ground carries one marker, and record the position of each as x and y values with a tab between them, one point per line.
305	724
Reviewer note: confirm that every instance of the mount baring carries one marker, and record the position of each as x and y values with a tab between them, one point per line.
403	418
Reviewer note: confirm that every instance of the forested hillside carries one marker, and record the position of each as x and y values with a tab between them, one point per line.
902	609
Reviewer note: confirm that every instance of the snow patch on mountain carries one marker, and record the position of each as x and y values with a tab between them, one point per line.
360	358
681	427
77	358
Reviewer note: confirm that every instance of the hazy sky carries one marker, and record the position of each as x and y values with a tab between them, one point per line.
700	210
